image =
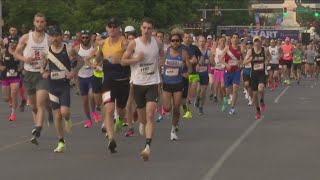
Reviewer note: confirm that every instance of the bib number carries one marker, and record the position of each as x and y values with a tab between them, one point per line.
12	73
268	68
318	59
172	72
147	69
280	66
286	55
57	75
258	67
233	62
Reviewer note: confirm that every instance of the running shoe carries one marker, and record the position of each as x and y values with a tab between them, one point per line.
288	82
12	117
145	153
118	125
188	115
258	115
232	111
173	136
125	125
129	133
250	101
160	118
88	123
68	125
112	146
60	148
142	129
96	117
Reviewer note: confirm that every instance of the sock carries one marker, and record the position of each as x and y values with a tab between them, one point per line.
21	91
88	116
148	142
62	140
173	129
37	132
12	110
261	101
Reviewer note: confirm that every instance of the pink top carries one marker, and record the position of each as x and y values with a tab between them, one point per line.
287	52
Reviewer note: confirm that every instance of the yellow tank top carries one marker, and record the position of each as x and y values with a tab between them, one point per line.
97	73
114	49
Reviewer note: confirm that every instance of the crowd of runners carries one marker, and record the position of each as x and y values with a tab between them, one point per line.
126	76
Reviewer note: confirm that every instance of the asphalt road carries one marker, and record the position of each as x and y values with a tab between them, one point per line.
284	145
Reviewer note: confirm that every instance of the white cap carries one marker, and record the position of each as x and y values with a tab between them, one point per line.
67	32
129	29
209	37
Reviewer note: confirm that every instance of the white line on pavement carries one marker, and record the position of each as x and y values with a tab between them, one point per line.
217	166
281	94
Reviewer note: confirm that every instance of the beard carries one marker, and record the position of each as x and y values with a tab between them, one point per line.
38	29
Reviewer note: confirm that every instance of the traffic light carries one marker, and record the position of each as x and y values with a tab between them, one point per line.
316	14
285	11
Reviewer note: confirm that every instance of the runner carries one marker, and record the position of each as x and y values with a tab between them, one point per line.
309	56
297	61
287	60
276	54
12	34
176	57
246	73
115	81
202	69
231	58
59	72
317	49
213	92
33	45
10	79
143	56
259	57
86	80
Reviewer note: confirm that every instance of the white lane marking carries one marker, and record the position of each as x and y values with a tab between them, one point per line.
217	166
281	94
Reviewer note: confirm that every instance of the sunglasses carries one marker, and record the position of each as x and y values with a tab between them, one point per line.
175	40
112	26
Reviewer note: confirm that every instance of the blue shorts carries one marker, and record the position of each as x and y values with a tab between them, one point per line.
204	80
59	94
232	78
85	84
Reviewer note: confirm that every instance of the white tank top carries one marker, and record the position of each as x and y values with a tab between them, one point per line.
218	65
274	55
35	50
146	72
85	71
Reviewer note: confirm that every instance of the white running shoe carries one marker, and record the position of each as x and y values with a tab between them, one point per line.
173	136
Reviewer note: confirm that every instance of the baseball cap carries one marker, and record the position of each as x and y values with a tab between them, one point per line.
209	37
113	21
54	30
256	38
86	32
128	29
67	32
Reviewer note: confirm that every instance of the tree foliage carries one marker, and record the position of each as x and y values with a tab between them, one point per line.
74	15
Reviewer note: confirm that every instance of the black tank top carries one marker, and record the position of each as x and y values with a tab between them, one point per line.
11	65
258	61
63	57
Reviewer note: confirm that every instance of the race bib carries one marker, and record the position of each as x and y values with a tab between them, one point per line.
56	75
268	68
248	65
36	64
286	55
172	72
12	73
258	67
147	69
106	97
318	59
280	66
203	68
233	62
7	58
304	60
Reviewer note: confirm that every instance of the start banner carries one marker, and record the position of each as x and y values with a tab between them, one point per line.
276	34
